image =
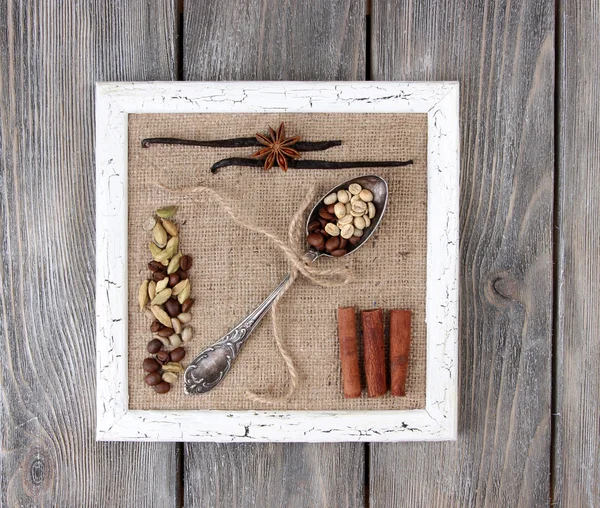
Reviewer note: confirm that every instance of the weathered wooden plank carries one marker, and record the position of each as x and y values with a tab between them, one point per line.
577	448
503	55
254	40
51	55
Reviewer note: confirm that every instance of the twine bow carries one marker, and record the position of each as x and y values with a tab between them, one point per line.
299	265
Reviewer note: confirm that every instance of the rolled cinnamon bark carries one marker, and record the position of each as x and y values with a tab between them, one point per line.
349	352
375	371
399	349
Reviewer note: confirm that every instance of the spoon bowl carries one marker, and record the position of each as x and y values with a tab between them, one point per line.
378	186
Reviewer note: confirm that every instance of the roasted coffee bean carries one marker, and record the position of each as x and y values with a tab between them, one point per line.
325	233
166	331
173	279
324	214
173	307
163	356
343	243
150	365
332	244
177	354
154	346
187	305
155	266
158	276
315	239
331	208
354	240
185	262
155	326
182	274
153	378
162	387
339	253
314	226
323	222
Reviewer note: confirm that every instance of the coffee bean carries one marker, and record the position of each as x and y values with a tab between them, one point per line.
163	356
150	365
162	387
153	378
173	279
166	331
177	354
325	233
315	239
339	253
155	266
331	208
187	305
323	222
182	273
324	214
173	307
185	262
154	346
155	326
158	276
314	226
354	240
332	244
343	243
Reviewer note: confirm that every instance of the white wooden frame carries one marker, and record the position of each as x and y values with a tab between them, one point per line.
438	421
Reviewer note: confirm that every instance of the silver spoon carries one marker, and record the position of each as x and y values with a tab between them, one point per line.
211	366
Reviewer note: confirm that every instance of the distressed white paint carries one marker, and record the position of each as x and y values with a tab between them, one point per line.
438	421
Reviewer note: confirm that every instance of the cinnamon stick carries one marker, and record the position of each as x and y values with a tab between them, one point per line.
375	371
399	349
349	352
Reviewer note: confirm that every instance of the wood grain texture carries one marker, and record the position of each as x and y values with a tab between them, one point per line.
503	55
230	40
577	447
322	40
52	53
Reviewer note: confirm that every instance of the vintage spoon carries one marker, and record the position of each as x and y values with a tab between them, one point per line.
209	368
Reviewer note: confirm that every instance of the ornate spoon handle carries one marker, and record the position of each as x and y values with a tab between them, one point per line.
209	368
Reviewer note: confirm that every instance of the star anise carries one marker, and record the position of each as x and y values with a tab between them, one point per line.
277	148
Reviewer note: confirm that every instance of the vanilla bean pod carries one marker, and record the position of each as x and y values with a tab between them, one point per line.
301	146
309	164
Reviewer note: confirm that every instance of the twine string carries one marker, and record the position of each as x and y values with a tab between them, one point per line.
299	265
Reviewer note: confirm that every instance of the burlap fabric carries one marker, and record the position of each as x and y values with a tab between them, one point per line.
234	269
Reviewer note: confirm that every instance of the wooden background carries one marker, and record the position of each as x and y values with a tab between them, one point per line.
529	349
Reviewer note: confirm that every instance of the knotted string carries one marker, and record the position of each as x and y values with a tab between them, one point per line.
300	265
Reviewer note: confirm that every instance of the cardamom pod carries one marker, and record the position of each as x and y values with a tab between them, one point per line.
149	224
185	293
187	333
175	340
161	297
155	250
143	295
179	287
175	367
184	317
170	227
176	325
174	263
169	251
159	234
161	284
164	340
166	212
152	289
161	315
169	377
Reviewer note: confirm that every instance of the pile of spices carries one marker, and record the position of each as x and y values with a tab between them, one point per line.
374	351
165	297
342	220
